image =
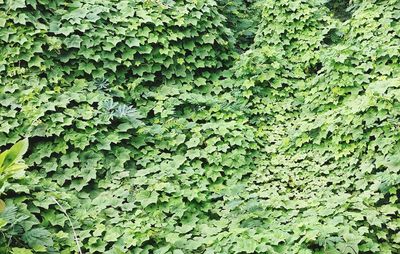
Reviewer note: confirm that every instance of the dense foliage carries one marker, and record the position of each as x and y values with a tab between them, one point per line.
202	126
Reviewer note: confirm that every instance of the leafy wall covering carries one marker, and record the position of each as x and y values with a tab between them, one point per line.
201	126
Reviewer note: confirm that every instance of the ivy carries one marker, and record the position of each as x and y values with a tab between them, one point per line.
202	126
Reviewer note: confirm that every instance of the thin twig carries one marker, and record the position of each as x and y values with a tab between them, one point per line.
72	226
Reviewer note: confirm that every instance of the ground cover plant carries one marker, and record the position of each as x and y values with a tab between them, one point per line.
201	126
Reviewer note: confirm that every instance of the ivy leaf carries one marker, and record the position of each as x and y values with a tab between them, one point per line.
193	142
74	41
16	4
146	197
172	238
246	245
133	42
69	159
112	234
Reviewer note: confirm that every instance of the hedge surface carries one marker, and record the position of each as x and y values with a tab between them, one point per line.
202	126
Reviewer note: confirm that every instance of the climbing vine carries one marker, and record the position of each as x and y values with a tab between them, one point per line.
202	126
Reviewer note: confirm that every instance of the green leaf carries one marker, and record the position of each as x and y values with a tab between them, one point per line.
246	245
2	206
74	41
162	250
69	159
193	142
112	234
146	197
172	238
16	4
133	42
38	238
21	251
14	154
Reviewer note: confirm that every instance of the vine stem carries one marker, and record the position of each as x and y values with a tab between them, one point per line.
72	226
